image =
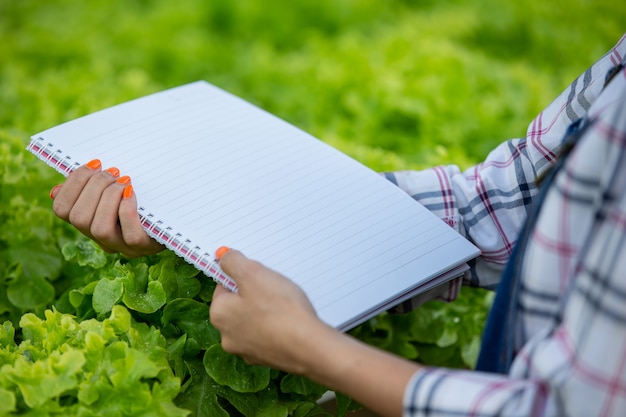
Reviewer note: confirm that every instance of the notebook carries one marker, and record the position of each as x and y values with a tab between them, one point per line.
210	169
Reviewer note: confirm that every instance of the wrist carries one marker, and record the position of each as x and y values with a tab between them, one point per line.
314	341
375	378
329	354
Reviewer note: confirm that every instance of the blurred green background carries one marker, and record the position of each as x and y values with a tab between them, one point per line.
396	84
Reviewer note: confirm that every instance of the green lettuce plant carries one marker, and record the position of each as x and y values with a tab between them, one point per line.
164	292
89	368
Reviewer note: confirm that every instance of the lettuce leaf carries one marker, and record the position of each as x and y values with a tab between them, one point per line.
66	367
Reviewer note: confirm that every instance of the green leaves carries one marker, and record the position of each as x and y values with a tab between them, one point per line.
84	253
27	291
165	292
436	333
107	293
145	302
140	293
45	263
199	394
7	401
297	384
65	367
233	372
131	284
40	382
178	278
142	286
191	317
30	260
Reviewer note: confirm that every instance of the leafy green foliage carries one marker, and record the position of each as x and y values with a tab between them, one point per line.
30	259
397	85
435	333
89	368
233	372
214	382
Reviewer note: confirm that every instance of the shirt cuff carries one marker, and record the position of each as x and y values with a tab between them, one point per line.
436	392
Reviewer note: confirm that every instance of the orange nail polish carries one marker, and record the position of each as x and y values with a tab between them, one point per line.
114	171
94	164
53	191
128	192
124	180
221	251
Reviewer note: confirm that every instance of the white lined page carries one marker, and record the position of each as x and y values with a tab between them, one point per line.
220	171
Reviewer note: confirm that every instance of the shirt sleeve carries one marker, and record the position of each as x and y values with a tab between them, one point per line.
439	392
488	203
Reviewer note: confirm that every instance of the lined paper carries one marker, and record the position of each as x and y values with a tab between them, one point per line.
217	171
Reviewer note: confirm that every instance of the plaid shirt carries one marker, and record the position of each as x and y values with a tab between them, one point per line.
570	318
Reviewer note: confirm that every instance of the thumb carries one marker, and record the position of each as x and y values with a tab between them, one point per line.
232	262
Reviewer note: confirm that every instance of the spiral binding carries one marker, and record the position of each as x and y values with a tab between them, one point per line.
174	241
53	156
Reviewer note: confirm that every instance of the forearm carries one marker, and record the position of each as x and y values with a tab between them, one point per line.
372	377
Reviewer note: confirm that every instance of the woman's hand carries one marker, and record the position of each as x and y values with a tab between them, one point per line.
268	321
102	206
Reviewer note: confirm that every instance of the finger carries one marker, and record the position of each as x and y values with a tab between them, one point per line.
245	272
223	303
84	209
232	263
55	190
220	291
105	228
65	197
133	232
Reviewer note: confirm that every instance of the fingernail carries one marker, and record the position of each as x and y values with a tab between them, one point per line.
54	190
114	171
94	164
128	192
124	180
221	251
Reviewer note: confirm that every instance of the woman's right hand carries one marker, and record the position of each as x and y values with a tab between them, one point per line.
269	320
102	205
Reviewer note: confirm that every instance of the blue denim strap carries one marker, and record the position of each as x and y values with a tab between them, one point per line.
498	343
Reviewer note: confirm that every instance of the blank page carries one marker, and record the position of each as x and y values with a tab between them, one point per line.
210	169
